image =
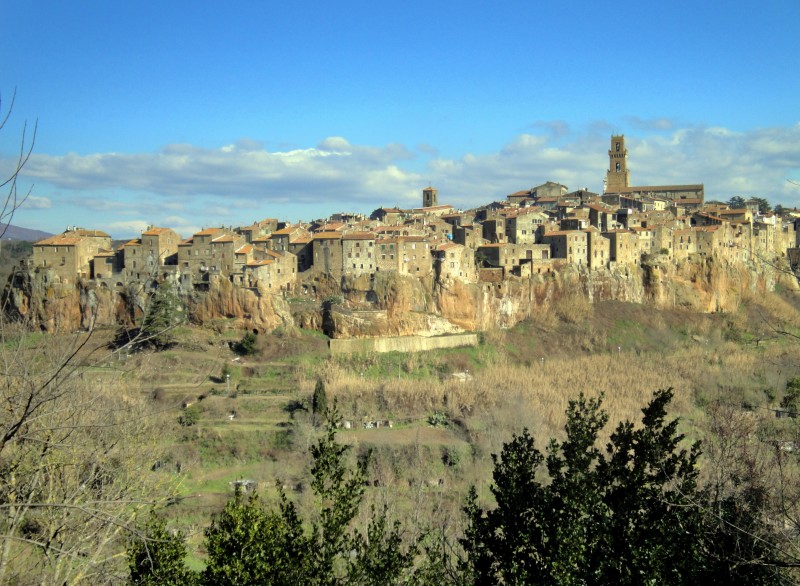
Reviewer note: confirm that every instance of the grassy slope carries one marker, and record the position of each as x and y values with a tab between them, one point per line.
521	378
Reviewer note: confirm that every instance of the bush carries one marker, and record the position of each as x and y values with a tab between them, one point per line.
190	416
791	398
247	346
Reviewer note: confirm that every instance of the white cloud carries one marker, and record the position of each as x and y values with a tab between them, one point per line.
236	182
128	227
37	203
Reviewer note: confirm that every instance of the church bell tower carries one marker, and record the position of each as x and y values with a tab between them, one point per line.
430	197
618	175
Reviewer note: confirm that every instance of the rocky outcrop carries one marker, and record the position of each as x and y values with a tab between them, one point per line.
398	305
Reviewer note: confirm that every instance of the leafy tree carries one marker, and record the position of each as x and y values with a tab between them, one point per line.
158	559
249	545
631	514
319	402
736	202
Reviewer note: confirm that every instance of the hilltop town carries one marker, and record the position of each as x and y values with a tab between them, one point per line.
535	231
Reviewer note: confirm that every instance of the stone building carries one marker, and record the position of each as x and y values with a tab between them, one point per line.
69	256
277	272
521	225
623	247
618	181
598	248
210	252
358	253
469	235
327	258
454	261
570	245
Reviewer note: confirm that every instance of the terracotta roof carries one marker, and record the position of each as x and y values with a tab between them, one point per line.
649	188
301	240
155	231
327	235
59	241
208	232
225	238
259	263
432	208
597	207
134	242
244	249
332	227
81	232
564	232
359	236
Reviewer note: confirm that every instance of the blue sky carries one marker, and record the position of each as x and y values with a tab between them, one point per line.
192	114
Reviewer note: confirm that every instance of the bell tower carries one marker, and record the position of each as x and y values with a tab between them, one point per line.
618	175
430	197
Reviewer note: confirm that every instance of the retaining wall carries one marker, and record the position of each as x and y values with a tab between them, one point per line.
401	344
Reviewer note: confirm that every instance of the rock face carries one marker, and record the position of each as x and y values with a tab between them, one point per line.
397	305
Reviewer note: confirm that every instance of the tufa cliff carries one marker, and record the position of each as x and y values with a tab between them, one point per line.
394	305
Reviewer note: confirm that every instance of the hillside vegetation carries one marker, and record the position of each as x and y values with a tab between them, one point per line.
233	408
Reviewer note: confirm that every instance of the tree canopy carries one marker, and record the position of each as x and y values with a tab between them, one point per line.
632	513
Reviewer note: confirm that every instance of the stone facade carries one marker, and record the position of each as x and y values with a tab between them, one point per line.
69	256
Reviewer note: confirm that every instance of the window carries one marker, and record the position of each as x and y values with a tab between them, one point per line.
617	147
618	167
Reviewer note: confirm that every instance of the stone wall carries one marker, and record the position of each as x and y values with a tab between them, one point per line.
402	344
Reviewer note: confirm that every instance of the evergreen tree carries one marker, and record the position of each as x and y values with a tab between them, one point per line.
164	312
319	402
633	514
736	202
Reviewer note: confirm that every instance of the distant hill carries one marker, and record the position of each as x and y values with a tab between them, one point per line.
16	233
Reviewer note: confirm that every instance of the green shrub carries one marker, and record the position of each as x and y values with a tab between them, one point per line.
190	416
